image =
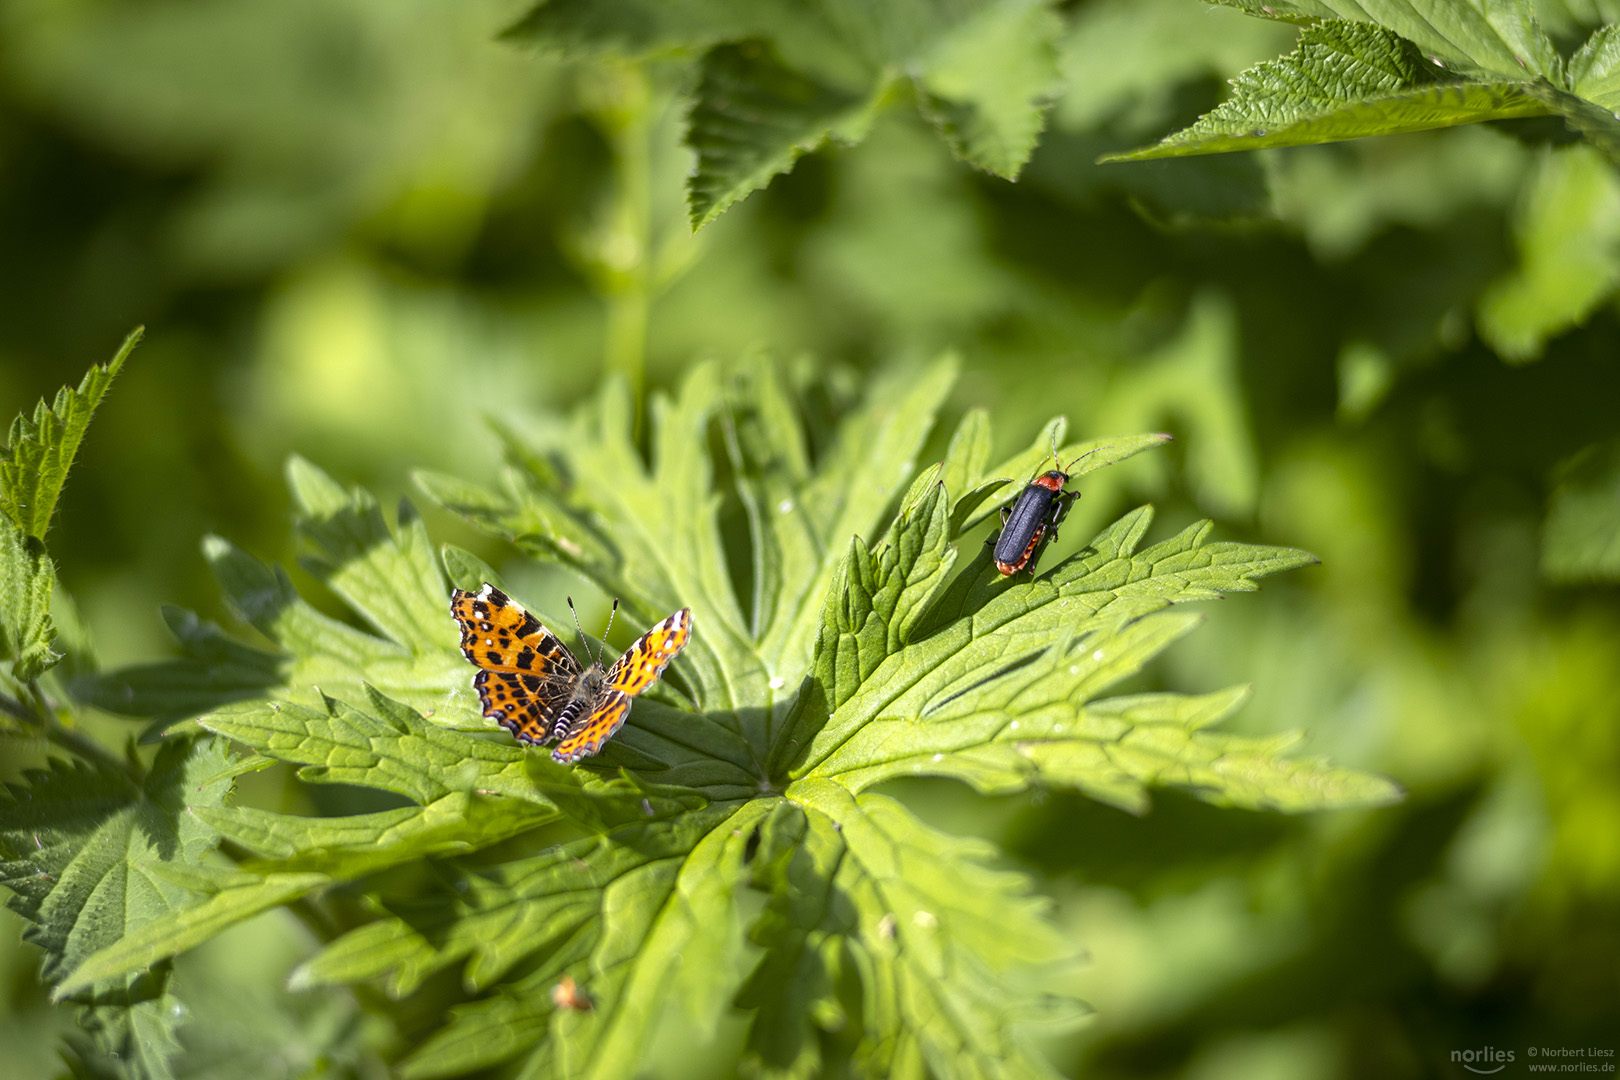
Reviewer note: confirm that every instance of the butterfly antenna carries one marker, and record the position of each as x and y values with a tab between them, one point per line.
583	640
609	629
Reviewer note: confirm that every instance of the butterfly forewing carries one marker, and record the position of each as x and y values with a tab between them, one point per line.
526	674
644	661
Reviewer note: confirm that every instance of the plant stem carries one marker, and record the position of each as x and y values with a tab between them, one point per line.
626	241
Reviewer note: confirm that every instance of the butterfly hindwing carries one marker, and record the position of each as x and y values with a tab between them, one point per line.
586	736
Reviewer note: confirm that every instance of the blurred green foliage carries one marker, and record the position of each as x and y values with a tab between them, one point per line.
356	229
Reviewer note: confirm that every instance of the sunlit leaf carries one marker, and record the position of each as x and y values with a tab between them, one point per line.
40	450
1345	80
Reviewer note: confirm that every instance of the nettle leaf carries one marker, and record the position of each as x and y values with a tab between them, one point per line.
779	79
860	642
1485	36
1345	80
86	850
40	450
27	577
388	576
1386	66
469	794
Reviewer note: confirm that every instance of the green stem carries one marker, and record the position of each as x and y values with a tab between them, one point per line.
34	710
626	248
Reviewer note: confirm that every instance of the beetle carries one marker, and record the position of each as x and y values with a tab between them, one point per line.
1040	506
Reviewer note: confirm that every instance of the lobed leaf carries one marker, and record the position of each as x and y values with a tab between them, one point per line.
387	746
952	956
388	575
827	664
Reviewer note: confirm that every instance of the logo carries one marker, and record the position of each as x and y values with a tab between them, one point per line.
1484	1061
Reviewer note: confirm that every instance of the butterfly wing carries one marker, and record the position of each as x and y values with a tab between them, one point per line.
632	673
644	661
586	736
526	675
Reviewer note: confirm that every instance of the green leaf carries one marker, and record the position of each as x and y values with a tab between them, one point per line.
778	79
27	577
665	550
1594	71
641	916
857	645
84	848
988	83
1345	80
953	957
241	898
388	576
752	118
1003	687
1568	233
39	451
358	844
1492	37
1581	538
386	745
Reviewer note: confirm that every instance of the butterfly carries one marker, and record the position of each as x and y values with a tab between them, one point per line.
529	681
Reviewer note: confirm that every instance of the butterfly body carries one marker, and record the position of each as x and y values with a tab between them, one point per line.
534	687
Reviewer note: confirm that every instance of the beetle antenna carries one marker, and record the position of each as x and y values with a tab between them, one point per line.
1054	446
1083	457
583	640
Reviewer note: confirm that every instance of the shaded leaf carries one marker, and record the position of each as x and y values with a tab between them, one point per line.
84	848
779	79
752	118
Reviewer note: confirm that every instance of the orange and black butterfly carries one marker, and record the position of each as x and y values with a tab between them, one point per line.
537	690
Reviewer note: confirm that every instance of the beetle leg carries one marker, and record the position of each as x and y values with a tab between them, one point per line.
1060	510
